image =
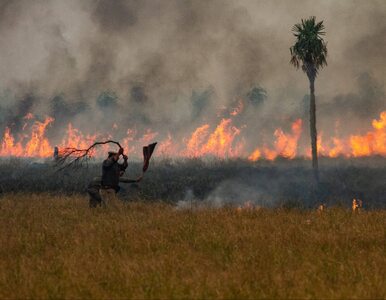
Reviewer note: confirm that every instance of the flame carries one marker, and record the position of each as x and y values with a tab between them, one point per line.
223	140
373	142
148	137
196	140
37	146
321	208
75	139
8	145
28	116
357	205
247	206
166	146
285	144
238	109
338	148
256	155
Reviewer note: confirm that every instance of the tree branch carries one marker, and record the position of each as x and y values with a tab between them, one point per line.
73	157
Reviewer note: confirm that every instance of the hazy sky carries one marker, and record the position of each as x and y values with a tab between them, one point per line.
172	47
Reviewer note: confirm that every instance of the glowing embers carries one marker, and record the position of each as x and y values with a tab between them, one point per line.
357	205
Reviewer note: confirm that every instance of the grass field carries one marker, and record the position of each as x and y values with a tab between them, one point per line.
56	247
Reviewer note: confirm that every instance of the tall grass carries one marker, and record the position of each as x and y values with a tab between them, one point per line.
59	248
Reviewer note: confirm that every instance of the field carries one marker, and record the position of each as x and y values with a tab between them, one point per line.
281	183
56	247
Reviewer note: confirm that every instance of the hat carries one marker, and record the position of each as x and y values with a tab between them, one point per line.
111	153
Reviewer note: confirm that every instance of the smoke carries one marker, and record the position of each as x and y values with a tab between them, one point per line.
173	65
229	193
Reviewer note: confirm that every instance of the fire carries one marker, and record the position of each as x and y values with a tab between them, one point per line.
8	145
37	146
76	139
239	109
321	208
28	116
256	155
166	146
223	140
338	148
148	137
220	142
196	140
247	206
373	142
285	144
357	205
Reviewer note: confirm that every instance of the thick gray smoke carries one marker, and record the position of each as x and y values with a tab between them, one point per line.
173	65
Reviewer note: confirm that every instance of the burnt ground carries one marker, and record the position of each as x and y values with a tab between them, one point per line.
283	182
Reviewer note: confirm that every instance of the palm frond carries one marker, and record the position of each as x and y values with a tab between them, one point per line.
310	49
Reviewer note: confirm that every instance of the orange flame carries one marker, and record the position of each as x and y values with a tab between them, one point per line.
285	144
8	145
373	142
196	140
37	146
223	140
239	109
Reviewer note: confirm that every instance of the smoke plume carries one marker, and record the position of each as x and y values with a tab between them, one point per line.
174	65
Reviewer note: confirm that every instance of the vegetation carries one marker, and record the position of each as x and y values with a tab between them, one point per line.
310	51
56	247
278	183
257	95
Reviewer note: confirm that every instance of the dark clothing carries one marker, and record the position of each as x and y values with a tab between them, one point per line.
93	191
111	170
110	180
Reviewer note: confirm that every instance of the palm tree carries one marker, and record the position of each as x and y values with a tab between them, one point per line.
310	51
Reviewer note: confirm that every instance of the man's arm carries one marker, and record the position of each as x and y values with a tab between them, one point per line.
128	180
124	165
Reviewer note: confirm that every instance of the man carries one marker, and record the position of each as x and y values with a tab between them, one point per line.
112	170
108	185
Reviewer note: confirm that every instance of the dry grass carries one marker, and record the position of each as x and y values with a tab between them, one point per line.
59	248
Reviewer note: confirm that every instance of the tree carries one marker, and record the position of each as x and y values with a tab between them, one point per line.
310	52
107	99
257	95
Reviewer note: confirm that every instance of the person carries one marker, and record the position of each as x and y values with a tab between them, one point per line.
112	170
102	190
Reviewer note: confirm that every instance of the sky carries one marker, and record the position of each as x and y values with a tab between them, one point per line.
174	48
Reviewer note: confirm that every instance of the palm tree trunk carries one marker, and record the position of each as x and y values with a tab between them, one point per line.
314	144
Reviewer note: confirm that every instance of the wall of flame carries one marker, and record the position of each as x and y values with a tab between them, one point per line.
223	141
